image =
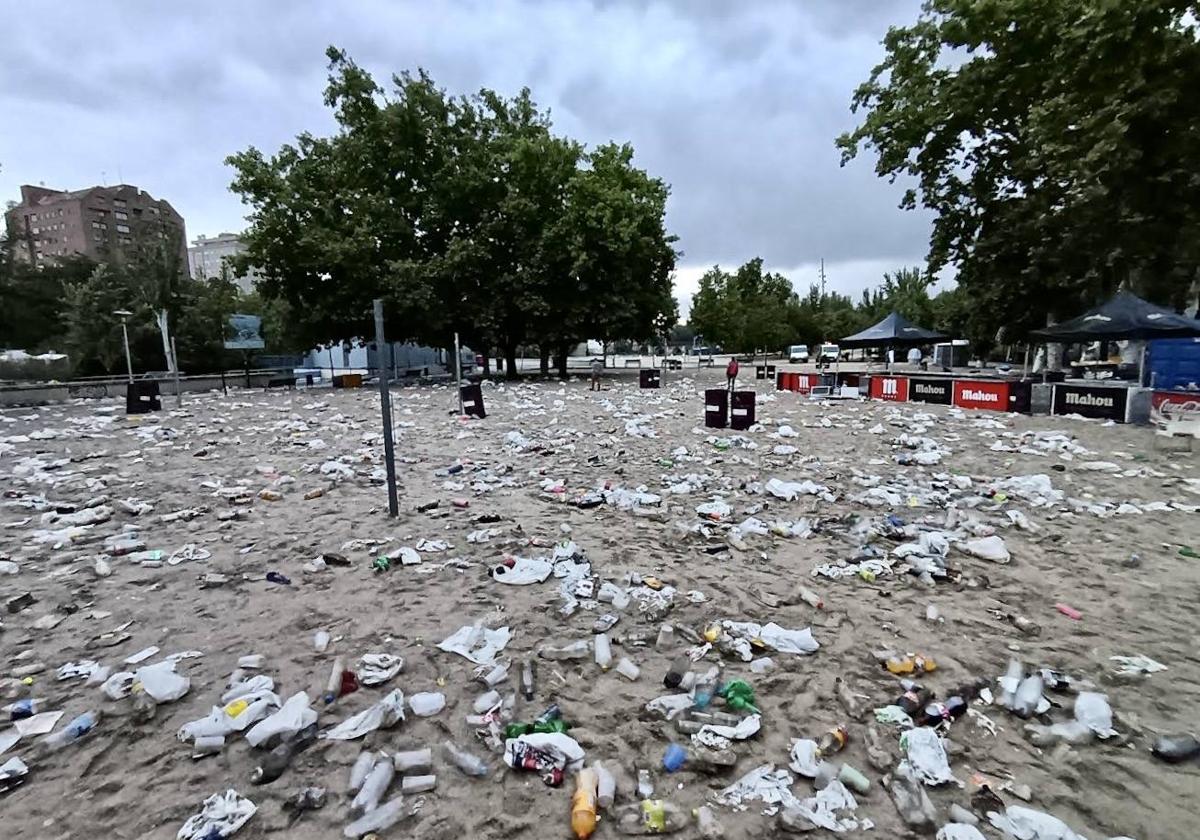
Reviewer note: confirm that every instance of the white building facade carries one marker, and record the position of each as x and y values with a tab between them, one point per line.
209	254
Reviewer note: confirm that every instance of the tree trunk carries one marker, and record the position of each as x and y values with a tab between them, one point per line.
560	361
487	364
544	359
1054	351
510	360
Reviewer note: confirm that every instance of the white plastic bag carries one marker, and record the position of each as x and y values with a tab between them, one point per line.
1093	711
477	643
804	758
377	668
1027	824
799	642
959	831
162	683
524	571
987	548
386	713
927	756
221	816
427	703
294	715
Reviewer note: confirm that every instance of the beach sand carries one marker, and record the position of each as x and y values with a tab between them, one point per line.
137	780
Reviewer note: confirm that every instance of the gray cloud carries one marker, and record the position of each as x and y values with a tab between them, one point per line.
736	105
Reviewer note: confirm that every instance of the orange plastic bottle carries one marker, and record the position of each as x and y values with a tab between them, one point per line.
583	804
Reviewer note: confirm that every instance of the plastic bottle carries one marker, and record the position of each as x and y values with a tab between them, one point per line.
645	785
911	800
412	761
710	827
853	779
528	669
373	788
847	699
575	650
651	816
583	804
334	686
144	706
362	766
811	598
1028	696
277	760
706	687
75	730
606	785
832	741
467	762
495	676
603	651
487	701
1025	625
679	667
627	669
380	819
1176	748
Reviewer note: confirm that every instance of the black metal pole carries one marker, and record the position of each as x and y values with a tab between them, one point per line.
385	406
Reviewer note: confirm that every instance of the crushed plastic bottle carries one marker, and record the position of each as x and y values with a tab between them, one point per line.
574	650
373	787
911	800
413	761
467	762
362	766
379	819
74	731
528	673
606	785
651	816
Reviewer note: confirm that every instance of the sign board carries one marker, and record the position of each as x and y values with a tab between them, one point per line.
977	393
890	388
1090	401
1175	398
246	333
937	391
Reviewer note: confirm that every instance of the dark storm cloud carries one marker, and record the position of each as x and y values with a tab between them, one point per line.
736	105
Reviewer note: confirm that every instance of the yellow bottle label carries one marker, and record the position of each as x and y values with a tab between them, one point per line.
654	815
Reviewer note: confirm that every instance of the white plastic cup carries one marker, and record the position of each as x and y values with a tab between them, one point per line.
603	650
207	745
418	784
411	761
627	669
486	701
321	641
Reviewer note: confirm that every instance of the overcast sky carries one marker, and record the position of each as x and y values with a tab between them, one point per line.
735	104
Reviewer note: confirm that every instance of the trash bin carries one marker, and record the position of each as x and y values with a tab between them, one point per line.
472	399
770	371
716	408
760	371
741	410
142	398
650	378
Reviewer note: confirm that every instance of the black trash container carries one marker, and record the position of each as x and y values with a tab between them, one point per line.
741	411
650	378
716	408
472	399
142	398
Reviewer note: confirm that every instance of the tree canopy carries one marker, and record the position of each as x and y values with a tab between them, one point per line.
1057	144
464	214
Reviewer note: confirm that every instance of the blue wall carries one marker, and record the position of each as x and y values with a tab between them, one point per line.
1174	363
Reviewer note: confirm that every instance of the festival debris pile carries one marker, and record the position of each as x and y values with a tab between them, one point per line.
593	615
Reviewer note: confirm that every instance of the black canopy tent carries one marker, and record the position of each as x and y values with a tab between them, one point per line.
1125	316
893	331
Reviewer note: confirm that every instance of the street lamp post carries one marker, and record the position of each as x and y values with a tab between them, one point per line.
123	314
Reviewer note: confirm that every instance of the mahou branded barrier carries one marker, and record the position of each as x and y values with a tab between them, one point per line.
978	393
890	388
1100	403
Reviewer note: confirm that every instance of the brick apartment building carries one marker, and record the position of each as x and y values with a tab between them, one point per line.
107	224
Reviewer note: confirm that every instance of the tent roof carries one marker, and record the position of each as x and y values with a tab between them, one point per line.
1124	316
893	331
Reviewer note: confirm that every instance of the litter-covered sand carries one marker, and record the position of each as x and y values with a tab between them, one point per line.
970	539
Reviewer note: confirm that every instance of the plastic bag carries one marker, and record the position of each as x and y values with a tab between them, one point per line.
1027	824
386	713
427	703
162	683
1093	711
799	642
804	758
927	756
477	643
377	668
221	816
294	715
523	571
959	831
987	548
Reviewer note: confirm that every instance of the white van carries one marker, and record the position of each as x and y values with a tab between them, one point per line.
798	353
828	353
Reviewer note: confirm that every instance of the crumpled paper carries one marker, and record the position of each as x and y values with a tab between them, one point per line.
799	642
563	747
386	713
477	643
376	668
717	737
669	705
822	809
221	815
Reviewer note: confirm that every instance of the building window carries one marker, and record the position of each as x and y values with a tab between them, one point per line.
97	236
118	202
122	228
119	215
125	240
33	217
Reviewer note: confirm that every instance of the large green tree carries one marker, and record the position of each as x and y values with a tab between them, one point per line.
746	310
1057	144
464	214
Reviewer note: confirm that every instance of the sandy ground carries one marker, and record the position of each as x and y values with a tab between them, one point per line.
137	780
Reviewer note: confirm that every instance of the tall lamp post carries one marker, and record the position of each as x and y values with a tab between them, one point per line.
123	314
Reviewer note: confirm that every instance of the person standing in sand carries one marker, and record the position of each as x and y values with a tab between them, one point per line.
597	369
731	372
